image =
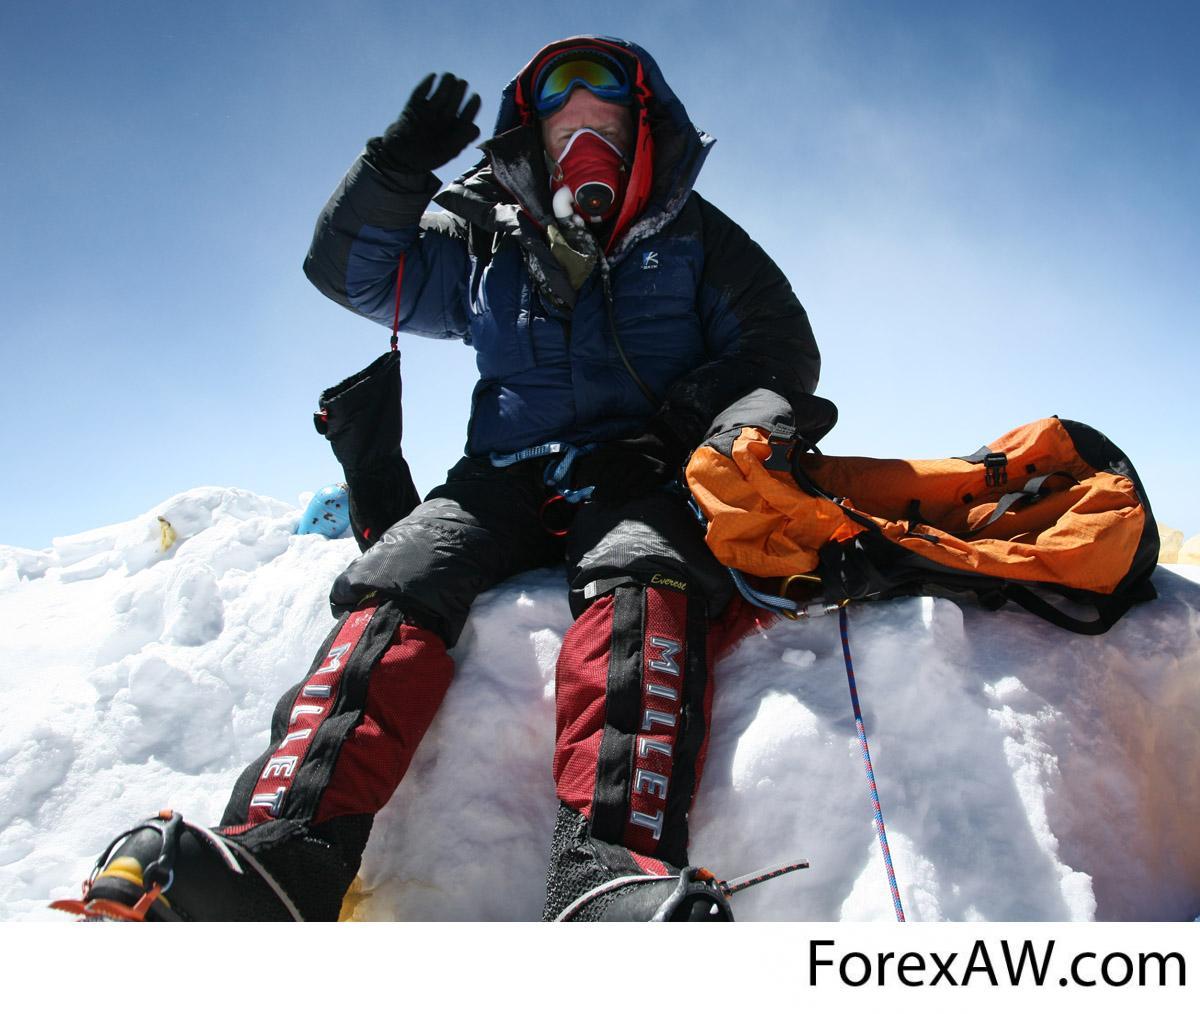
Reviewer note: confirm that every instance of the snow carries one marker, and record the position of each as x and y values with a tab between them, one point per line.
1025	773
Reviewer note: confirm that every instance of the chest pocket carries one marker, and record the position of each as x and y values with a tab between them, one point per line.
654	299
502	314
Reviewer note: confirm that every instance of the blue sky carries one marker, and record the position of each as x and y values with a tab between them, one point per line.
990	212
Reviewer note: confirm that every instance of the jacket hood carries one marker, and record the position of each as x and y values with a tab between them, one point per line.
650	86
668	149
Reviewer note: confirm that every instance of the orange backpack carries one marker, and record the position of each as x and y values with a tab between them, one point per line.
1050	508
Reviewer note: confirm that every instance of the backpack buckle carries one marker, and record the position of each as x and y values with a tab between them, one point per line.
996	468
781	446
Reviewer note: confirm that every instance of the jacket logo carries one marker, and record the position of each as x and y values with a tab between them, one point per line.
669	582
649	260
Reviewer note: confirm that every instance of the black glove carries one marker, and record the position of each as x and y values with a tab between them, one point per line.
430	131
625	469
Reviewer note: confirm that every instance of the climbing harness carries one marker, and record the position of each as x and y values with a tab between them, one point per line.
558	470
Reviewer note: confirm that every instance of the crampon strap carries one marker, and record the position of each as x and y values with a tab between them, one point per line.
731	887
727	887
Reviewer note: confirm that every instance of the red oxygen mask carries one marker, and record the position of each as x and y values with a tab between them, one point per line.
593	171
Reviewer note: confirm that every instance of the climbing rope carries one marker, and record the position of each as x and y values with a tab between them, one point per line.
880	830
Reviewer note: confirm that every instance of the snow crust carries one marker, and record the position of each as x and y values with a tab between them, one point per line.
1025	773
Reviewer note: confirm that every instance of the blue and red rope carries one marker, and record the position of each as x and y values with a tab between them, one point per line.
880	829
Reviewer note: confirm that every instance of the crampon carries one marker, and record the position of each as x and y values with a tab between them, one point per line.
134	880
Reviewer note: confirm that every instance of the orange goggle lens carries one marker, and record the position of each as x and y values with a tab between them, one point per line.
605	80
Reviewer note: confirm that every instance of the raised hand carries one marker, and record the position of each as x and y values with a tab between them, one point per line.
434	127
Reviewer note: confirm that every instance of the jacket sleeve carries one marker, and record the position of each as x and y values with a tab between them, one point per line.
756	331
375	217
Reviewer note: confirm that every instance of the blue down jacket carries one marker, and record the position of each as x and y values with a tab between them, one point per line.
702	314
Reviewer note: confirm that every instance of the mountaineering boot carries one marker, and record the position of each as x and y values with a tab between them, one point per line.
167	870
589	880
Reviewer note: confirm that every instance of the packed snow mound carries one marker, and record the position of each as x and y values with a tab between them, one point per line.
1025	773
1174	548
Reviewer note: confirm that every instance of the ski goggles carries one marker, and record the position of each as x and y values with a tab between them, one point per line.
600	74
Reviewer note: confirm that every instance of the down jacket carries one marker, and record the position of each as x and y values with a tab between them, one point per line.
702	314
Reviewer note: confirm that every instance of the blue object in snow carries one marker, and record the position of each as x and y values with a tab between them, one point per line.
327	513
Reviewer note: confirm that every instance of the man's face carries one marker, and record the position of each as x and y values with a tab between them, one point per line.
583	109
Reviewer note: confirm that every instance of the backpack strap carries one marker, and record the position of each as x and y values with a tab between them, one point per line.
1031	491
1108	611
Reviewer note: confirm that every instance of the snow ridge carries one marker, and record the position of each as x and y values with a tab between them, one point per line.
1025	773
